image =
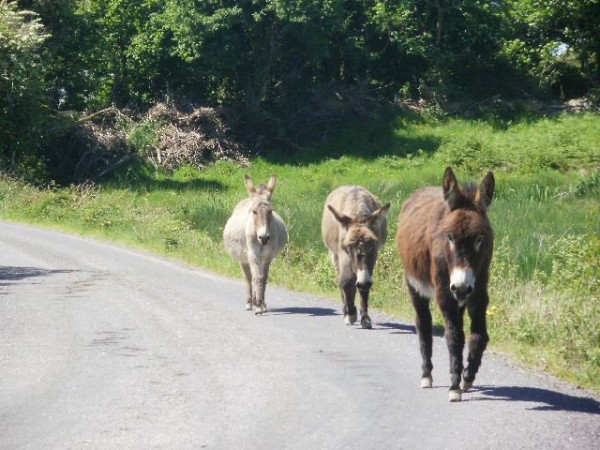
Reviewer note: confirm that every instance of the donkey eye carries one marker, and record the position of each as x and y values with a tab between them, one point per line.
478	243
450	238
254	212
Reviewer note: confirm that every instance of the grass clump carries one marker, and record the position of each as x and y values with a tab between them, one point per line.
549	319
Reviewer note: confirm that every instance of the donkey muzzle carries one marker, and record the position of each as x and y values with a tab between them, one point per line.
263	235
462	282
363	279
366	285
461	292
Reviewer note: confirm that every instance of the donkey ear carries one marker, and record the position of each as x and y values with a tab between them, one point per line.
485	194
341	218
452	194
378	215
271	185
249	185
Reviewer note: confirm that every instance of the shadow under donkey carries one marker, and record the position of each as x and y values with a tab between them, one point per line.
548	400
309	311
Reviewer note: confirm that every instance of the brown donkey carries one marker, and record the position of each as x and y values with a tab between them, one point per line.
445	242
354	226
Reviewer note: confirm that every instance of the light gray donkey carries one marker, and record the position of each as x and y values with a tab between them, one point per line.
354	226
255	235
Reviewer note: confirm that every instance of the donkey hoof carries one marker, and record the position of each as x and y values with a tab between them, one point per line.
249	306
466	385
455	395
260	308
365	322
426	382
350	319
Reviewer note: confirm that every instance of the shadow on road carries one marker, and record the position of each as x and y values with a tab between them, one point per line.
315	312
548	400
399	327
15	273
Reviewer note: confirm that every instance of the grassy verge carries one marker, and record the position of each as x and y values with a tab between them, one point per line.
545	284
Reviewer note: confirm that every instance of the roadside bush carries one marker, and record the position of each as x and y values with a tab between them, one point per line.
575	280
576	266
552	318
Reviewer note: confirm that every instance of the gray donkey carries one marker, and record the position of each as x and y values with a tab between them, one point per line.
255	235
354	226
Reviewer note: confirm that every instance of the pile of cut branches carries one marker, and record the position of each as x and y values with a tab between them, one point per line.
98	143
195	138
88	147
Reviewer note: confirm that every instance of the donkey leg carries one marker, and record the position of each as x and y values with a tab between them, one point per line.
335	262
261	286
365	320
257	278
477	344
347	284
248	278
423	324
455	340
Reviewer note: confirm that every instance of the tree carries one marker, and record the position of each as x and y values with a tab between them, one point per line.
256	50
23	107
66	79
453	43
556	41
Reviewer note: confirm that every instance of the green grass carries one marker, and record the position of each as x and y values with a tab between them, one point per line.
545	292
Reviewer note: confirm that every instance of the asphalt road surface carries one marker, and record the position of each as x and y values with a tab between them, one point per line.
105	348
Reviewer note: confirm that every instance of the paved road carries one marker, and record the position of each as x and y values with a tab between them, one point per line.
105	348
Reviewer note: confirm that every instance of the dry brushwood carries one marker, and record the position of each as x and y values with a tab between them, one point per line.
196	139
99	144
89	147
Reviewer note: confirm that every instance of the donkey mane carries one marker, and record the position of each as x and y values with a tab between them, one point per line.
262	189
469	196
469	190
360	233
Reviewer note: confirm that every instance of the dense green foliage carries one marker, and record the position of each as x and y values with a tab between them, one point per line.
539	30
545	292
282	66
23	119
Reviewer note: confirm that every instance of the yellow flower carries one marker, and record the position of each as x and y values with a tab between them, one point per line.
492	310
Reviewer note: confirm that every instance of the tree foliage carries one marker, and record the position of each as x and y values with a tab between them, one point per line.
556	41
260	54
23	117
